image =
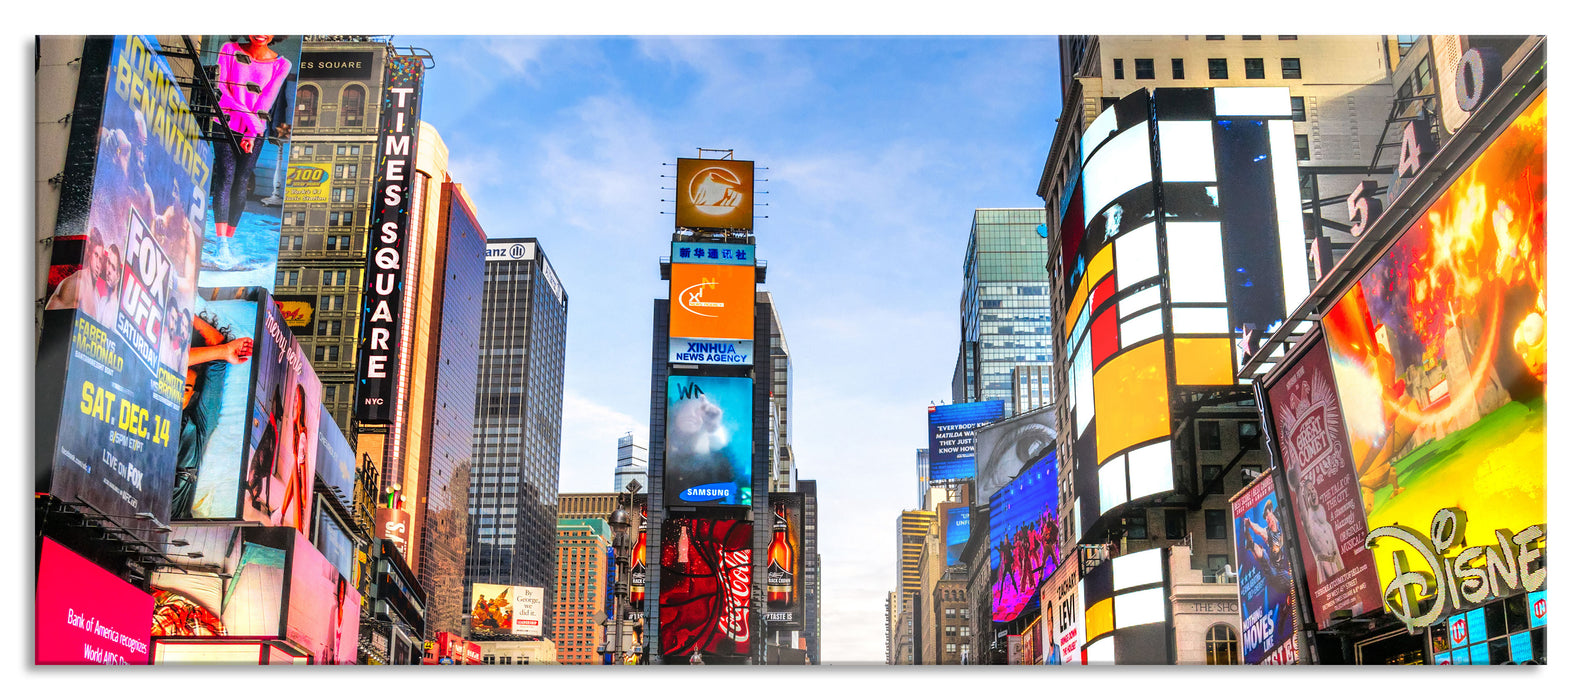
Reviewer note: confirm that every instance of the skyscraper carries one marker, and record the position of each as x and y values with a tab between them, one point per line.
631	462
516	445
582	545
1004	304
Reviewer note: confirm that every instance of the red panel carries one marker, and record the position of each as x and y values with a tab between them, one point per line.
1106	338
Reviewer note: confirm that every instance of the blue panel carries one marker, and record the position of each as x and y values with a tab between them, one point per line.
1480	654
1538	608
1521	647
1477	626
950	437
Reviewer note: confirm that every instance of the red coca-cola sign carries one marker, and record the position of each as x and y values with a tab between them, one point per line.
705	586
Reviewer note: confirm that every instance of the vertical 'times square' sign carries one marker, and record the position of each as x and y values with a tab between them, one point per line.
378	359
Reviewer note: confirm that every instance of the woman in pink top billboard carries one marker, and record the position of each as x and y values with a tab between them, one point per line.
249	79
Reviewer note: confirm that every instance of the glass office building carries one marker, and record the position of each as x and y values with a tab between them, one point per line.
513	504
1004	304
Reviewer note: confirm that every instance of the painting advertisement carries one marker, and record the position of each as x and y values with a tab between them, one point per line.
1264	576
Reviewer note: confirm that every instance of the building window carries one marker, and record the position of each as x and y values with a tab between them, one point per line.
1247	433
1120	69
1251	37
291	243
1213	478
1175	524
1222	647
1291	68
299	218
307	106
1217	564
329	328
352	105
1145	68
1218	69
1208	435
1298	109
1254	68
1250	472
1287	37
1301	148
1214	521
1215	37
1178	68
1135	525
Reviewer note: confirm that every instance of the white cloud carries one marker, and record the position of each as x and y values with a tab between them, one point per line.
587	445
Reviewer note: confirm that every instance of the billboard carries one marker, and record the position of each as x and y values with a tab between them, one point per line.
323	610
714	194
958	527
1127	604
950	437
785	591
712	302
1024	547
708	441
298	311
250	429
705	586
1007	446
1264	576
1068	635
119	296
307	183
334	543
83	614
337	461
256	78
1440	354
378	353
512	610
1330	522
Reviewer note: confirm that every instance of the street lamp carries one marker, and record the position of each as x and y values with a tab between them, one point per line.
620	522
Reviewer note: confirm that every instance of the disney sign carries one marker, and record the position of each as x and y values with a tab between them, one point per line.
1457	582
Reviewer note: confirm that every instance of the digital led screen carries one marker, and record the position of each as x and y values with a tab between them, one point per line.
708	441
1330	521
1440	353
714	194
712	302
235	588
215	412
113	340
1005	447
1024	546
958	527
1125	616
951	438
337	461
705	589
83	614
1264	576
251	135
507	610
323	611
785	595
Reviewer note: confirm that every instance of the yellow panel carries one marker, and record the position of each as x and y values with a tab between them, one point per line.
1103	264
1101	618
1079	296
1131	399
1203	361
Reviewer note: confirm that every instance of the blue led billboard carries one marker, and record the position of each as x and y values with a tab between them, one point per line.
1024	547
958	526
709	441
950	437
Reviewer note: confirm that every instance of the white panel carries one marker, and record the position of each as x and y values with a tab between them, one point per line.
1137	330
1071	381
1186	151
1140	607
1137	302
1082	388
1196	255
1112	484
1253	102
1097	131
1102	652
1136	256
1151	470
1137	569
1196	320
1288	212
1119	166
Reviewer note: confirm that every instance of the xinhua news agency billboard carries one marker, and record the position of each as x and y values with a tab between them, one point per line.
714	194
711	303
708	441
114	339
950	437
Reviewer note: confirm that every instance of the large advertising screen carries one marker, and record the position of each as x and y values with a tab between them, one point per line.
1330	521
255	78
86	615
783	563
1440	354
337	461
323	611
950	437
714	194
958	527
712	301
709	441
1069	636
1024	546
378	356
249	435
507	610
114	339
235	587
1264	576
705	586
1004	448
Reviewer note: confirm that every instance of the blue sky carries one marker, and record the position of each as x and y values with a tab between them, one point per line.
877	151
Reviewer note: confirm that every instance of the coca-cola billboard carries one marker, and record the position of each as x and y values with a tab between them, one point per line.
705	587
